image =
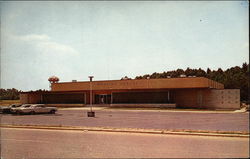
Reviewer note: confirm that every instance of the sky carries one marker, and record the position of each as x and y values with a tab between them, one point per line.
110	40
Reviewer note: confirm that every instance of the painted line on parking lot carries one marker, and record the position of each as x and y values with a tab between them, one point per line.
132	130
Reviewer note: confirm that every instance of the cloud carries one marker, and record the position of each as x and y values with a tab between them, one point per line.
246	45
34	37
50	46
43	43
36	56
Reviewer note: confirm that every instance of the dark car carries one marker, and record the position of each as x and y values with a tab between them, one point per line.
8	108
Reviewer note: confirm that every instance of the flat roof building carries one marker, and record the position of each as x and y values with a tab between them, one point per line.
183	92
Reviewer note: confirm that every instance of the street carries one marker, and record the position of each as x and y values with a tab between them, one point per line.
163	120
33	143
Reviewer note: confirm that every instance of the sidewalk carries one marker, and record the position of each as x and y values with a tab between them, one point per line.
127	130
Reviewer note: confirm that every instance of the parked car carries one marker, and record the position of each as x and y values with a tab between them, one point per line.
6	109
34	109
15	109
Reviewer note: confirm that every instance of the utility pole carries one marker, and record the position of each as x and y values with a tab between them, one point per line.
91	113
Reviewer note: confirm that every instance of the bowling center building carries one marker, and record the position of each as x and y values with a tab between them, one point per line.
182	92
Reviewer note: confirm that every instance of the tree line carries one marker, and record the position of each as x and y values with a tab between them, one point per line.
9	94
233	78
13	94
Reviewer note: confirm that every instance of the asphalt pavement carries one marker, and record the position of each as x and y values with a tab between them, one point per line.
33	143
162	120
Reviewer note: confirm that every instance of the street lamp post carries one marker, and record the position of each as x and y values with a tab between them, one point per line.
91	113
147	82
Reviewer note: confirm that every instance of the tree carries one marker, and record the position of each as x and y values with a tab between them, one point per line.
208	71
9	94
200	73
125	78
233	78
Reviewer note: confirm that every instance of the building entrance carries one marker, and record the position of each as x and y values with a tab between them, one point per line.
102	98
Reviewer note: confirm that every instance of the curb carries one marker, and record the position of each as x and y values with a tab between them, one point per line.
130	130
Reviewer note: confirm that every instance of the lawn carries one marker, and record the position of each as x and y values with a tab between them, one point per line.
8	102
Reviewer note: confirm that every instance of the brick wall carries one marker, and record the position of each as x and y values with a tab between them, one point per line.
222	99
208	98
24	98
30	98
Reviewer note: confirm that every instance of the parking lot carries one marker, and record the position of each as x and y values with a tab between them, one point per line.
174	120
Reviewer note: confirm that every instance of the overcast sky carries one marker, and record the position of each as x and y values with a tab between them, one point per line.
110	40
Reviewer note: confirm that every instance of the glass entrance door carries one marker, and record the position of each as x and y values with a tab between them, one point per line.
102	98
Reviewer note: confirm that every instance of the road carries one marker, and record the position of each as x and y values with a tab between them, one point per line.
33	143
137	119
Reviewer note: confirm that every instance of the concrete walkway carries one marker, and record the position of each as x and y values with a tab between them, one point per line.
131	130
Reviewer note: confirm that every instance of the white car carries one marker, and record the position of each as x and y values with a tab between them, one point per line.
6	109
33	109
14	110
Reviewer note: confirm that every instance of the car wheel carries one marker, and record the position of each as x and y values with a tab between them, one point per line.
52	111
18	112
32	113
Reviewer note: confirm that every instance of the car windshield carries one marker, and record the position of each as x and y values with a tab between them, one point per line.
14	106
